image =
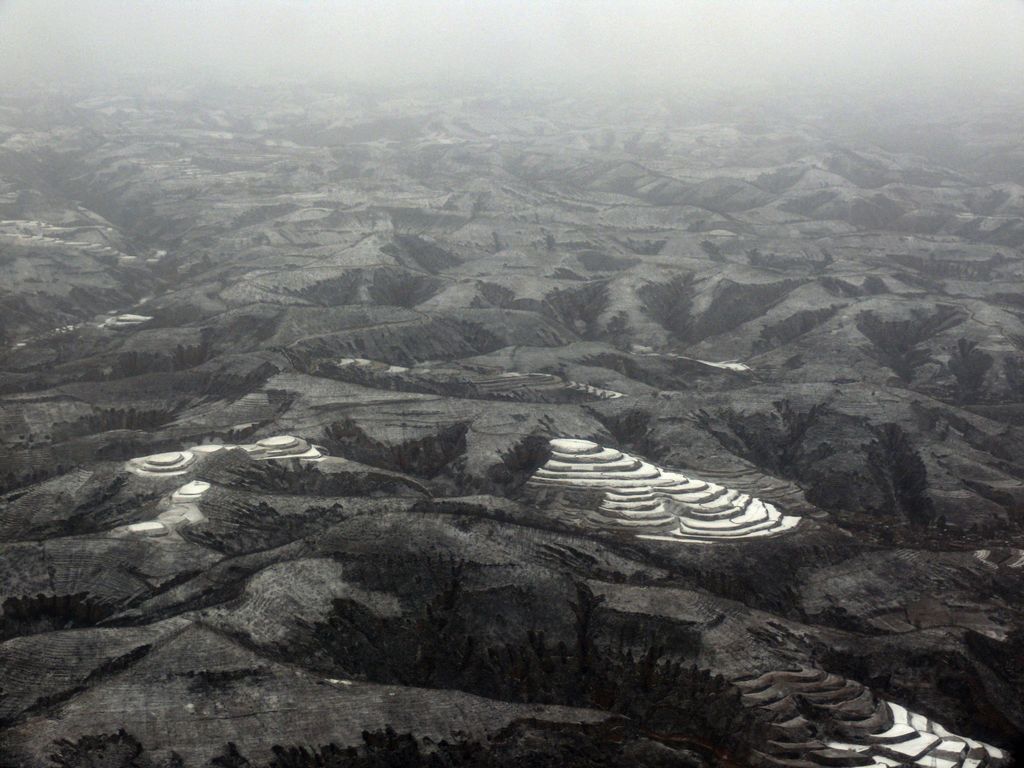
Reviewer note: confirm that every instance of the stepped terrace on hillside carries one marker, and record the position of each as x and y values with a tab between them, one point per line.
125	321
489	383
179	462
514	385
651	502
869	731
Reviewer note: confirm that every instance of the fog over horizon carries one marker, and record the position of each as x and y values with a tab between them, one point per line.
895	48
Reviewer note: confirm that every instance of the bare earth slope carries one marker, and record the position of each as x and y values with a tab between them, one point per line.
421	431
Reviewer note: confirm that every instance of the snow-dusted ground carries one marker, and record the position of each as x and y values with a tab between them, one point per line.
913	739
656	503
179	462
184	502
496	382
727	365
125	321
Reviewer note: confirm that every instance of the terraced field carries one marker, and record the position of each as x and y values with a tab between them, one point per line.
873	732
644	498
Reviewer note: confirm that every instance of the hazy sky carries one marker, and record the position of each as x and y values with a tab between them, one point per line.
904	44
